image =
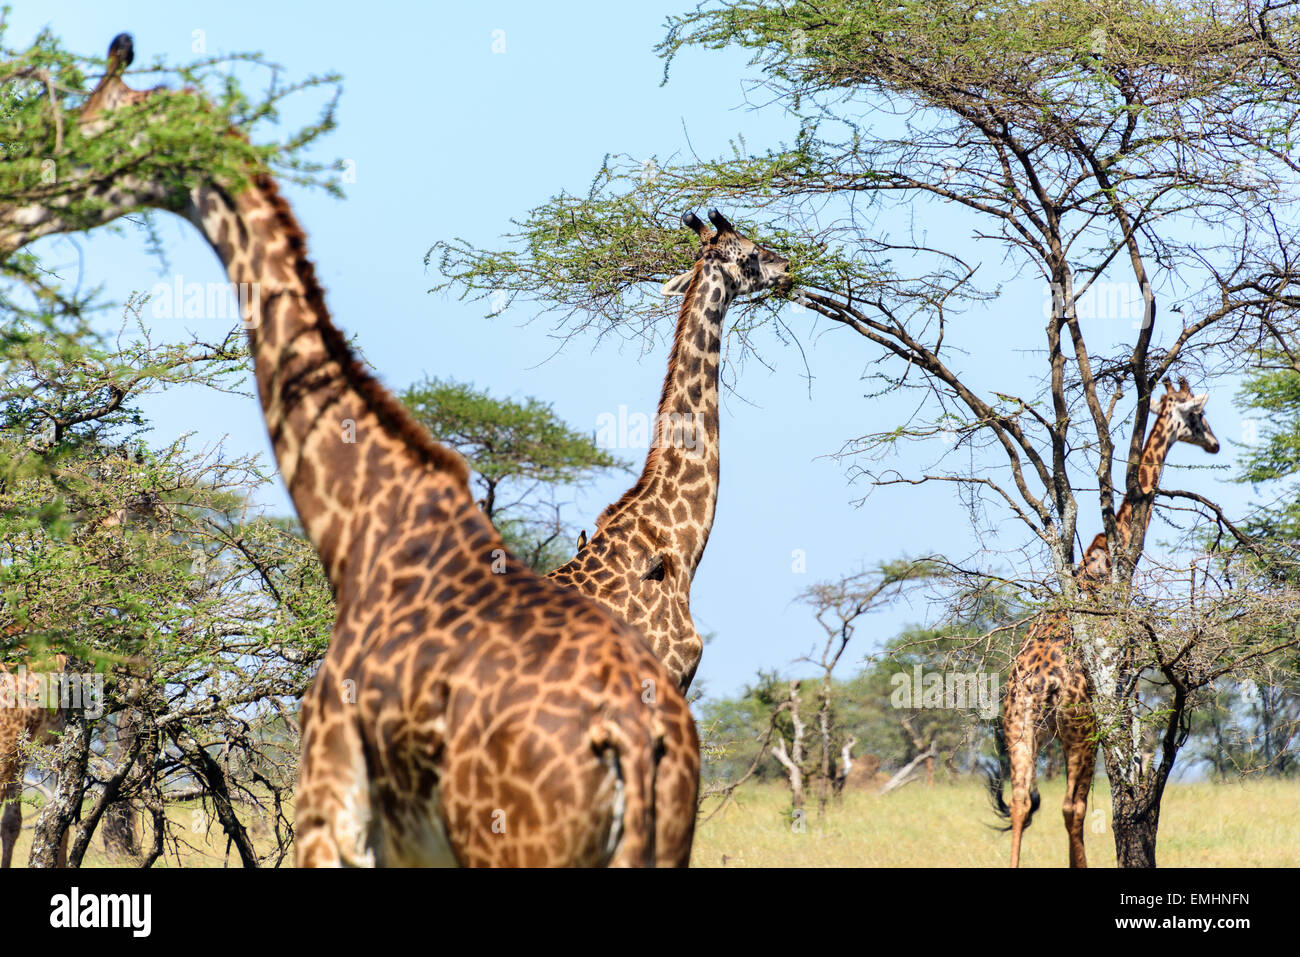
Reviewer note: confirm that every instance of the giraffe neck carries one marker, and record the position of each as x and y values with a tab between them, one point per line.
678	487
1097	559
336	432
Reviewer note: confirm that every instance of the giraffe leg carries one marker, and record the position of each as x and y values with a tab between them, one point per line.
11	826
1019	728
1081	760
332	823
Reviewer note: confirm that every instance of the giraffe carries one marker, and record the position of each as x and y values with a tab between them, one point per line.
1048	693
26	719
467	711
642	557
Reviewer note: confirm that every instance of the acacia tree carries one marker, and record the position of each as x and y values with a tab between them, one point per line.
1136	148
1254	725
55	179
837	606
521	454
142	561
756	734
145	565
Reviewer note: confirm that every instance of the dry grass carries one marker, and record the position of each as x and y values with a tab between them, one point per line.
200	842
1250	824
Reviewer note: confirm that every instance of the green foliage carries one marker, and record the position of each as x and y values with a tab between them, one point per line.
1270	396
521	453
170	141
100	532
1273	393
1253	725
731	728
142	561
1250	727
602	257
935	47
979	86
75	466
174	136
869	706
139	559
864	707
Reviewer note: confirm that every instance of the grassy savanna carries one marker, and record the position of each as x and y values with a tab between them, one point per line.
1247	824
1242	824
194	839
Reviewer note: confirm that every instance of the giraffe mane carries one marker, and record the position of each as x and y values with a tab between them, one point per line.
392	414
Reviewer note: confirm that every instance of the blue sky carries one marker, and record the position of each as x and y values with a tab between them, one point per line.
451	139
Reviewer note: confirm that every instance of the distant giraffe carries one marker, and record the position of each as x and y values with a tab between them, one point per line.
23	724
1048	693
467	711
642	557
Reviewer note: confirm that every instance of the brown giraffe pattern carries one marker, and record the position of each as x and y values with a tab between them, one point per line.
1048	692
468	711
642	558
22	727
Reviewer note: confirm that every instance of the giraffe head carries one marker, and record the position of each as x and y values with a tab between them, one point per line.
1186	414
111	93
747	266
168	185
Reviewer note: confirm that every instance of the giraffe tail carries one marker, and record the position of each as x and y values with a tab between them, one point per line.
996	773
631	840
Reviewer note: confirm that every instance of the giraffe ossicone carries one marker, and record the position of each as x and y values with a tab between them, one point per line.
467	711
641	559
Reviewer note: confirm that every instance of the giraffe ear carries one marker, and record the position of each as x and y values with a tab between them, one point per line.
677	285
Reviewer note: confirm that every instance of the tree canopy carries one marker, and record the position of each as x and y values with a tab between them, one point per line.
521	454
1139	152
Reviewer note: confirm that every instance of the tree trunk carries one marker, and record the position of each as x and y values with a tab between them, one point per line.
214	778
826	780
793	773
121	837
50	842
792	760
154	805
1135	819
1135	803
905	774
845	765
924	746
